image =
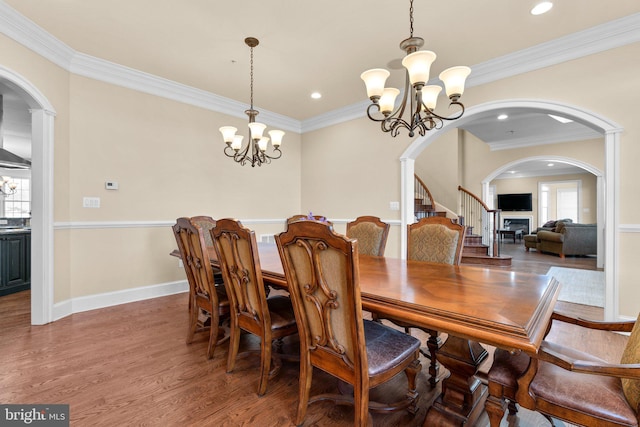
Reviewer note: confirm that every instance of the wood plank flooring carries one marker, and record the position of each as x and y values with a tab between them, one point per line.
129	365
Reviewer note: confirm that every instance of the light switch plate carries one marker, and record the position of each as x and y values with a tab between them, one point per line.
91	202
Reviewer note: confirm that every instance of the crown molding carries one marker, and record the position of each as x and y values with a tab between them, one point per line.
616	33
24	31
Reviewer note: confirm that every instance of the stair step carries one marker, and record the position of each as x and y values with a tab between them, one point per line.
501	261
475	250
470	240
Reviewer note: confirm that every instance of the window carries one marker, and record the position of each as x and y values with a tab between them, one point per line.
18	205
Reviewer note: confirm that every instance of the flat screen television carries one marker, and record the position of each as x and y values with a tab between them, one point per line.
515	202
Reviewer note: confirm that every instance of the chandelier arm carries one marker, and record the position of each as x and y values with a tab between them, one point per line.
454	117
273	157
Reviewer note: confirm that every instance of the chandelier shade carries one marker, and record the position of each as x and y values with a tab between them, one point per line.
255	152
419	99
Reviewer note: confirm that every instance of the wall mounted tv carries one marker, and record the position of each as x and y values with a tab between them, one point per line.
515	202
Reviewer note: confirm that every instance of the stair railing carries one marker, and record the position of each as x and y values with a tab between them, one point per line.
477	214
423	195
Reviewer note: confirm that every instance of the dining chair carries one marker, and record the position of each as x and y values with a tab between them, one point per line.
207	302
371	234
300	217
321	268
251	311
204	224
569	384
433	239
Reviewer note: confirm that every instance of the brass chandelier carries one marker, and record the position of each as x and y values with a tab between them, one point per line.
255	152
419	99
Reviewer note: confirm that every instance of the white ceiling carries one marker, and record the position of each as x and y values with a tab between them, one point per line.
310	46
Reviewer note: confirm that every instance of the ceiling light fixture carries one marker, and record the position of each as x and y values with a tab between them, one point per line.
562	120
542	7
503	117
255	152
418	98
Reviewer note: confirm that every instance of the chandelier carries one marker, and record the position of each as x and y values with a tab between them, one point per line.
419	99
255	152
7	186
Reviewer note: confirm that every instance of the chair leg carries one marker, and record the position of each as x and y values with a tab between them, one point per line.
304	387
361	408
265	364
411	373
193	320
495	408
234	343
213	332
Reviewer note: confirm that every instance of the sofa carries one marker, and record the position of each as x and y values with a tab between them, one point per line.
568	239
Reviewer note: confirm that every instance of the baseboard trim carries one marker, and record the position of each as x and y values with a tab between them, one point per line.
109	299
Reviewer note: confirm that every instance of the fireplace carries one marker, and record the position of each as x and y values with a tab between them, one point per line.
517	223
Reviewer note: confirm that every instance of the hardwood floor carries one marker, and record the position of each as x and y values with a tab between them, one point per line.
129	365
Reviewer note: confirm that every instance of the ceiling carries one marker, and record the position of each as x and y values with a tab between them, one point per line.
310	46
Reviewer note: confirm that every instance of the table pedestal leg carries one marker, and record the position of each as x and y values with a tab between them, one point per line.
463	395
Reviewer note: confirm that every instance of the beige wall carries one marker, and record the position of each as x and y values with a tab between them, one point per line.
167	158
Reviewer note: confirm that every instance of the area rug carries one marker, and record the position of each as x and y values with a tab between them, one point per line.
579	286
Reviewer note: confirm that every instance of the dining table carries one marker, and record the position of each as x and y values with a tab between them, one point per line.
471	304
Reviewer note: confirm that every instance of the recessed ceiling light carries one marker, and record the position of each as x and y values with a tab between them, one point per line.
542	7
512	171
550	164
503	117
560	119
316	95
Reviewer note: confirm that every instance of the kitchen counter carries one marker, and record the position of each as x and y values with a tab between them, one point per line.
14	230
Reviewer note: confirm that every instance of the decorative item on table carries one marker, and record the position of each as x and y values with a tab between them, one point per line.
310	217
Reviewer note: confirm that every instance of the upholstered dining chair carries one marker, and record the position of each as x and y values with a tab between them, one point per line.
206	300
321	268
568	384
371	234
251	311
433	239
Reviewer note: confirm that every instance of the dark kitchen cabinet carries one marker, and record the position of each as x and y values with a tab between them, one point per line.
15	261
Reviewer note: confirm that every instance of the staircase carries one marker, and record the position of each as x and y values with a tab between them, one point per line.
476	252
478	249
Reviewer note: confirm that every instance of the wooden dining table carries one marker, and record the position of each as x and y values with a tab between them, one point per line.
473	305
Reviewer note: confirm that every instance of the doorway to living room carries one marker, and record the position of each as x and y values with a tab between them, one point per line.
607	177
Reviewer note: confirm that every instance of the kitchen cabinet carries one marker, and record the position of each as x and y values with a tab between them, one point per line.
15	261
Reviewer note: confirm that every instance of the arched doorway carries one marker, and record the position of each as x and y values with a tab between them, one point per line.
42	125
574	162
610	178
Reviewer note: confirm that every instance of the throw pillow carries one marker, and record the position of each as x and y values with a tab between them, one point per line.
550	224
631	354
